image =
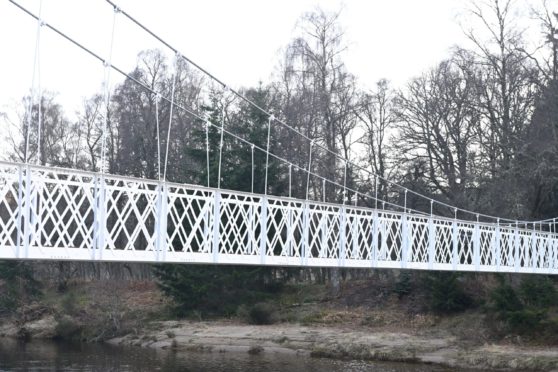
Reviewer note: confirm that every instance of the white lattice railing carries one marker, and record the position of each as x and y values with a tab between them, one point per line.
62	214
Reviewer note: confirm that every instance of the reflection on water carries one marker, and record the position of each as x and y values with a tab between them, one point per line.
52	356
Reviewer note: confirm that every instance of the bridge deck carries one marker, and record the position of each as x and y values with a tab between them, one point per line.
62	214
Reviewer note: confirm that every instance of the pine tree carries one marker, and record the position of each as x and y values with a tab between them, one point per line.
220	289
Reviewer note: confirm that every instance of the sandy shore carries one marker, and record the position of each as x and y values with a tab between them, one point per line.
338	343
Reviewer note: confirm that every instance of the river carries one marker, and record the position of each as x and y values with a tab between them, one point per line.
58	356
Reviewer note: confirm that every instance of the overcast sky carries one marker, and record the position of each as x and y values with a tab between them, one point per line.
238	41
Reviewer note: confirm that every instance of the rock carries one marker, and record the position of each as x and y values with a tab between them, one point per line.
44	327
341	343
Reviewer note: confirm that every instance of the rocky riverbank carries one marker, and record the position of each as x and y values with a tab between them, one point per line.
335	342
366	323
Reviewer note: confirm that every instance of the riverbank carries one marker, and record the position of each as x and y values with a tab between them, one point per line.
367	322
338	343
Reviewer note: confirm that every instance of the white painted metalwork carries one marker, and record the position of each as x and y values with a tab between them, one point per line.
62	214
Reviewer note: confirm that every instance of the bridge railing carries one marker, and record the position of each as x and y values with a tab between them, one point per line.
61	214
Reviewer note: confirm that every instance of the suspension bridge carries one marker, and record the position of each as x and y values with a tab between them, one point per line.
49	213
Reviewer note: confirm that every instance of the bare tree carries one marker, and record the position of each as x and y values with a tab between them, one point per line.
506	81
91	122
53	143
544	55
438	121
376	111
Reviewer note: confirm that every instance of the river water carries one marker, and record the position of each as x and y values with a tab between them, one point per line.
53	356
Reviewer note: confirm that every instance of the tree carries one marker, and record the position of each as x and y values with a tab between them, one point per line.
59	142
319	93
545	55
505	82
222	289
214	290
322	94
17	285
537	164
91	122
437	128
376	111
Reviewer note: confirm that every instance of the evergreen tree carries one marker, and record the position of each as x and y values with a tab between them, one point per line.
220	290
17	285
537	166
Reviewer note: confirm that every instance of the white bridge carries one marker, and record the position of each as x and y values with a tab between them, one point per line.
49	213
61	214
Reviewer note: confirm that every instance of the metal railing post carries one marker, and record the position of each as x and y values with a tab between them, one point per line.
27	213
384	247
476	245
342	236
497	248
161	222
374	248
305	233
355	237
554	245
431	243
404	240
251	230
99	229
206	227
289	243
455	242
216	223
323	237
263	230
20	213
534	252
516	247
290	231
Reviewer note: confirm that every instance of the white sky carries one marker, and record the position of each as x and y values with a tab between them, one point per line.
238	41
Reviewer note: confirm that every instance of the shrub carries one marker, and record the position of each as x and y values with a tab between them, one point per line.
505	299
403	284
259	314
526	321
68	329
445	293
17	285
217	290
68	303
525	311
538	291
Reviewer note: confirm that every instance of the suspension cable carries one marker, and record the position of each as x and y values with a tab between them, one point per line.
170	115
190	112
376	191
269	122
195	115
290	178
33	82
221	146
297	132
252	186
40	94
345	183
309	168
158	137
207	148
107	65
243	98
